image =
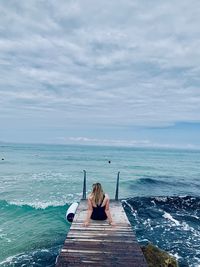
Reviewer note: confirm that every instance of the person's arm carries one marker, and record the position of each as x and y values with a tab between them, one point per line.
89	213
107	211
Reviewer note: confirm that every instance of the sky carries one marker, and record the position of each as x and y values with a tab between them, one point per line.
123	72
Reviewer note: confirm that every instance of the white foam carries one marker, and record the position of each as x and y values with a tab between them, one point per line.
131	208
169	217
143	240
7	260
39	204
176	256
153	202
163	199
4	237
186	227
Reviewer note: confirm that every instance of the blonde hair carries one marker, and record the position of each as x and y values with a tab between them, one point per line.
97	193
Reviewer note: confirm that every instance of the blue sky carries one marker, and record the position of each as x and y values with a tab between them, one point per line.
123	72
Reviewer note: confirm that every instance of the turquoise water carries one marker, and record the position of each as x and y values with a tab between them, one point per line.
38	182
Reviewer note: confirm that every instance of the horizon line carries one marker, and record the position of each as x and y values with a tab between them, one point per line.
150	146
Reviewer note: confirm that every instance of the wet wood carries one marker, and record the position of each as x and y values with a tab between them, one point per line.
100	244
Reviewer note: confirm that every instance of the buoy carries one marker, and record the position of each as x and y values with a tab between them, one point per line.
71	212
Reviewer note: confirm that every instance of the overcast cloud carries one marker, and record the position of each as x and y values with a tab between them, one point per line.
106	66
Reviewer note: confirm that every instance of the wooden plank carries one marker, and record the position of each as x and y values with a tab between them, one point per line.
100	244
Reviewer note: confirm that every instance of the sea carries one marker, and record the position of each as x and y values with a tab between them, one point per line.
159	190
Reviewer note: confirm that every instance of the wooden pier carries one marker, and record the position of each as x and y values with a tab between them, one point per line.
100	244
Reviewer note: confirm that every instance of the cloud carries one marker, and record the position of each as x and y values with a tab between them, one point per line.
97	141
113	63
122	142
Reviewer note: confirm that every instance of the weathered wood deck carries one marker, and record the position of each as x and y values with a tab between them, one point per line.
100	244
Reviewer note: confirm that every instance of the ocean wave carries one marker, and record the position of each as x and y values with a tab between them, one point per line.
179	202
151	181
161	184
182	202
154	182
33	205
40	258
38	205
144	181
168	216
162	181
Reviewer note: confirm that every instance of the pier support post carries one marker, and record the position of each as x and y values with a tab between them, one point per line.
117	187
84	185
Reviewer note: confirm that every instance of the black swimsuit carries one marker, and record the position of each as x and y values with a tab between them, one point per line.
98	212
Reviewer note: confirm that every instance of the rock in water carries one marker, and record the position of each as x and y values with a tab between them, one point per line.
156	257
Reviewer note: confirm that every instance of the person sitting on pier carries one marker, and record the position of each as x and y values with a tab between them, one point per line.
98	205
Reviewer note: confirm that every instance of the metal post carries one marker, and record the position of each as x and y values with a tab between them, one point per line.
84	185
117	187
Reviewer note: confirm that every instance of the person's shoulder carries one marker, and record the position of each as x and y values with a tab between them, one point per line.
90	197
107	197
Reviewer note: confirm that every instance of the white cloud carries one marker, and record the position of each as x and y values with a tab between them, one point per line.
121	142
97	141
107	63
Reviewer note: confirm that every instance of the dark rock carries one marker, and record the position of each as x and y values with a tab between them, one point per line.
156	257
